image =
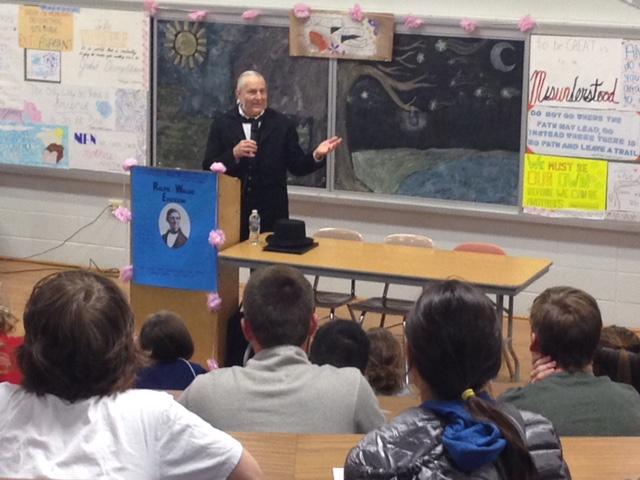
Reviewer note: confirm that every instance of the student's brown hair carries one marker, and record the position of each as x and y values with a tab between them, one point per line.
385	370
278	305
567	325
78	337
165	336
455	344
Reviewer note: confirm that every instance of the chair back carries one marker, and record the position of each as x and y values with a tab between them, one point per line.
409	240
339	233
479	247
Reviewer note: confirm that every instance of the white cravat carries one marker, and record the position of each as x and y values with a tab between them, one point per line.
171	238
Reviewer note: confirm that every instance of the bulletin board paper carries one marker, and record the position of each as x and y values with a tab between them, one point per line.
572	132
561	183
623	188
35	145
631	74
81	71
43	29
10	52
103	150
577	72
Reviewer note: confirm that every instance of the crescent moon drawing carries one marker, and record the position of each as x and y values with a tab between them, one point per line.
496	57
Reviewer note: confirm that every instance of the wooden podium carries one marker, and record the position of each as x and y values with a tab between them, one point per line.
208	329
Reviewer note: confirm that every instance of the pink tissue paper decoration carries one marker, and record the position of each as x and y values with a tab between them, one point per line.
251	14
214	302
198	15
30	110
123	214
301	10
128	163
217	238
468	26
411	21
356	13
151	7
218	167
526	24
126	273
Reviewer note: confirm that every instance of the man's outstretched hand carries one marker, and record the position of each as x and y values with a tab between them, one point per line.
326	147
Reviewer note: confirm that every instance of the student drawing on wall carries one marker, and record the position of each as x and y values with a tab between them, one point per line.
53	154
174	236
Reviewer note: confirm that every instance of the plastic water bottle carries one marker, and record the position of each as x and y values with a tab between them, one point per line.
254	227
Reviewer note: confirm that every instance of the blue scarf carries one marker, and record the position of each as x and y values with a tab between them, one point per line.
470	443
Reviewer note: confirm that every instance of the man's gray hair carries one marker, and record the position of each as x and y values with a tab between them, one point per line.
246	74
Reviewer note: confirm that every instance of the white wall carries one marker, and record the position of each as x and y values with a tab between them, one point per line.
38	212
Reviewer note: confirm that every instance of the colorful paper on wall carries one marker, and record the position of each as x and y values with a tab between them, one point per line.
561	183
603	134
631	74
10	52
173	213
576	72
35	145
103	150
42	29
624	187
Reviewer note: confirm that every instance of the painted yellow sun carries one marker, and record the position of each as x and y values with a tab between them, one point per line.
186	43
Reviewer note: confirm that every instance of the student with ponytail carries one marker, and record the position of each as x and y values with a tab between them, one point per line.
454	349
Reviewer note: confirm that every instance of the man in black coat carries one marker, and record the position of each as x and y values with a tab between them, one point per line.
259	145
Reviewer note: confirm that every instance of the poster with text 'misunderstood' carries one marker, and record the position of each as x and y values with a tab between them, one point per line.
173	212
554	183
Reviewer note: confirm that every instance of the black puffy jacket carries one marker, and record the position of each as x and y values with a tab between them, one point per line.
410	448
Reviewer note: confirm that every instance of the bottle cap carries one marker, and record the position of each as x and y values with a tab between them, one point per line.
254	211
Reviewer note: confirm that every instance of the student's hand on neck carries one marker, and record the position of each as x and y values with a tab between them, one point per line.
542	367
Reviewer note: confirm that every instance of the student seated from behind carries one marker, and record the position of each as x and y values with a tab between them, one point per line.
341	343
9	371
454	349
75	415
565	329
385	370
618	356
279	390
168	342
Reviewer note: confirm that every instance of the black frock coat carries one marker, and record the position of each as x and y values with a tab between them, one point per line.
263	177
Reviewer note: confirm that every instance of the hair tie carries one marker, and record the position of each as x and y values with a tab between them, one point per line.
467	394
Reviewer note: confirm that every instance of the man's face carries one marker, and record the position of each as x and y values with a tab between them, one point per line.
174	221
252	96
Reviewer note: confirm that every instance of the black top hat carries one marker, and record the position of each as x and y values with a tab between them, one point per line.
289	236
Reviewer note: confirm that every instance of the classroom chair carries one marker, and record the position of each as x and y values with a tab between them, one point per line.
391	306
334	300
383	304
493	249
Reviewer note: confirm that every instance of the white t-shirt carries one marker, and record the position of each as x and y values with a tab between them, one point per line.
138	434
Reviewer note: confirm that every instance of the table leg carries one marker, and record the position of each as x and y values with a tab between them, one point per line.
505	350
509	341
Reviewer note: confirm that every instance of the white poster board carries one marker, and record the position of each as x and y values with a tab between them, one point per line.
74	94
582	72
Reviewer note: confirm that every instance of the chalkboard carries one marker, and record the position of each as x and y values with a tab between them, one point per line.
74	87
442	120
197	67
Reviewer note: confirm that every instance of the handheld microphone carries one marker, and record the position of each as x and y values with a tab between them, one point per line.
255	132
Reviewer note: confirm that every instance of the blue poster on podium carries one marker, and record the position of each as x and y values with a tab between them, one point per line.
173	212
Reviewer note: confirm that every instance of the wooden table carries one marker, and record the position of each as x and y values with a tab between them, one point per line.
379	262
284	456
